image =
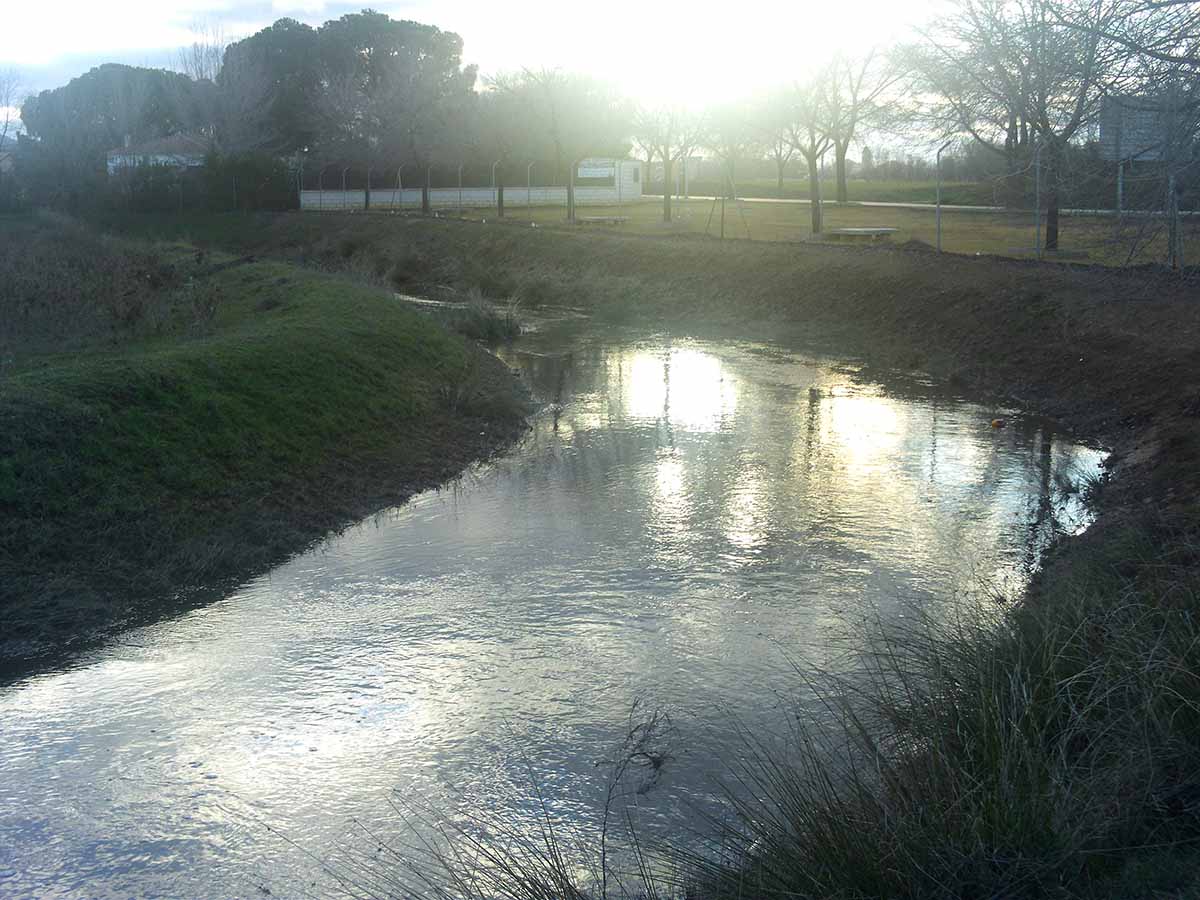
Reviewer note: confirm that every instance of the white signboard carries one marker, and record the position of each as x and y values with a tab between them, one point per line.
1133	128
596	168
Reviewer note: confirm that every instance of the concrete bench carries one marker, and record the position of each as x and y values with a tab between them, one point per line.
860	234
602	220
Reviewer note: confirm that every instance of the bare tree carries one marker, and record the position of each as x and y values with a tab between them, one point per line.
809	133
1166	31
202	59
572	115
11	88
674	133
772	120
1011	75
853	86
730	136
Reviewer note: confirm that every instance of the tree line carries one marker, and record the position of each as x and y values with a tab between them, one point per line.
1019	81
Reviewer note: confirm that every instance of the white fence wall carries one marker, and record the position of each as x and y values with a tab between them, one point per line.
630	189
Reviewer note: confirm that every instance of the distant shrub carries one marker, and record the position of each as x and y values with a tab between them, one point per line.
408	268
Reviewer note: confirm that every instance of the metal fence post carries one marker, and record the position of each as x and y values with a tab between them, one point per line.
1037	200
1120	187
497	192
938	213
1173	235
344	171
529	186
460	204
571	192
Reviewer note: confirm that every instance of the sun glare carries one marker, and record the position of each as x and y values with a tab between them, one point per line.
693	57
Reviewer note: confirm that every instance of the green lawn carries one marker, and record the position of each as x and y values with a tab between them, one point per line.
1091	239
967	193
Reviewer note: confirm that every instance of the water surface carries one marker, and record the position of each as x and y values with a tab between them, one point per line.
684	518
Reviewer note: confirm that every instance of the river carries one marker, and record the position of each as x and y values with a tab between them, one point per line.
685	520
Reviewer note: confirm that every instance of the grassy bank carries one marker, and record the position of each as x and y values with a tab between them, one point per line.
172	420
1053	750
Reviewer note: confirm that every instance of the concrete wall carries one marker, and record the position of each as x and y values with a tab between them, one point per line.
515	196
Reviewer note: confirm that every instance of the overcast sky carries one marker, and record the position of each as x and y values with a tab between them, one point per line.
693	53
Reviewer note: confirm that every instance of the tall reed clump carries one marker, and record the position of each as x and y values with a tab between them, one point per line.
470	855
1055	752
484	321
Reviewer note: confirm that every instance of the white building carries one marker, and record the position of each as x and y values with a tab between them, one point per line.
178	151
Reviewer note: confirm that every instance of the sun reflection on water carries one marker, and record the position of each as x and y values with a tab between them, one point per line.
685	387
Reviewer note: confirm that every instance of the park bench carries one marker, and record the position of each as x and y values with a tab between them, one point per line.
602	220
860	234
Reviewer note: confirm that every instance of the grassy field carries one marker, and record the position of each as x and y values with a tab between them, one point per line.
172	419
965	193
1082	239
1086	239
1051	750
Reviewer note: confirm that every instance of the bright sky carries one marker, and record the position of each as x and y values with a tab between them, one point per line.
692	53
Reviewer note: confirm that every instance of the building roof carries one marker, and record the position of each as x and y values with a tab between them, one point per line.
172	145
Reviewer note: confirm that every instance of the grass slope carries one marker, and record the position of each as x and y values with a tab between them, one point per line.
142	466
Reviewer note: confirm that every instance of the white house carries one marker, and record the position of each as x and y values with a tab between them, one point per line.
178	151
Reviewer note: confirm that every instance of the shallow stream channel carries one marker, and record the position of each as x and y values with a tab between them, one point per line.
685	523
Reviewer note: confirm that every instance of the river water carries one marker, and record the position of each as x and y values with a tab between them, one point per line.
684	521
